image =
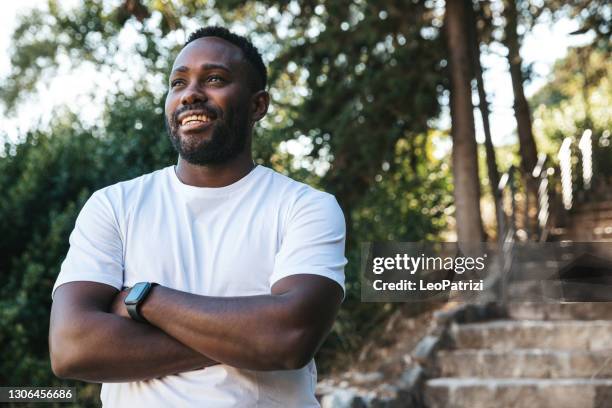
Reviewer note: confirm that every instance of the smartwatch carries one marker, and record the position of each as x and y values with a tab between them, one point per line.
134	299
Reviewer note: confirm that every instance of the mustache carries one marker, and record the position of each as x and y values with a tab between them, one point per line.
208	111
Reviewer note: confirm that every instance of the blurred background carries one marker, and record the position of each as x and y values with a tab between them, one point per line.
428	120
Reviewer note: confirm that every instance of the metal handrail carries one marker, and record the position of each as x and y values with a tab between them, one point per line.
507	227
546	178
586	153
565	163
541	173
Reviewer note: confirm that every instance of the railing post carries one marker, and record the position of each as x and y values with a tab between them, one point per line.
501	226
540	175
511	180
586	151
565	162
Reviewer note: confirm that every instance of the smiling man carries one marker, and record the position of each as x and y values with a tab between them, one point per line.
234	272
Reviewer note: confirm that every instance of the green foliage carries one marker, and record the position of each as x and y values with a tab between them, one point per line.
341	87
361	98
46	179
355	82
593	16
408	201
371	73
578	97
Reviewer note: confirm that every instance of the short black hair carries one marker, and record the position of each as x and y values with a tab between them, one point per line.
248	49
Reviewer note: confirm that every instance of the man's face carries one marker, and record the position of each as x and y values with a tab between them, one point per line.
207	106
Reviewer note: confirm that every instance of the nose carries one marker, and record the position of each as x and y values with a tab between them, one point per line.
193	94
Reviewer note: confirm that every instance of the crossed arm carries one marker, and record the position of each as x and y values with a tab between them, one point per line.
91	337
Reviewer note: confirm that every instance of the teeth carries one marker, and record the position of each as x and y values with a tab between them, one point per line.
192	118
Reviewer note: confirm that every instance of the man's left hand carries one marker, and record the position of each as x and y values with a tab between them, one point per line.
118	305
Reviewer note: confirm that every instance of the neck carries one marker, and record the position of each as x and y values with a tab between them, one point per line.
215	175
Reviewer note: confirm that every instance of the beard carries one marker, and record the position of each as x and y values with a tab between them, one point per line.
228	138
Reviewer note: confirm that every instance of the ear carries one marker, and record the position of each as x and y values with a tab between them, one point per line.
260	101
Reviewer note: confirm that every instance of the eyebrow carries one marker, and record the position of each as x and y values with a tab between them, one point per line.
206	66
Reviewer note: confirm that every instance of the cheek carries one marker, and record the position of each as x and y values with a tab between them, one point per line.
228	98
169	107
168	122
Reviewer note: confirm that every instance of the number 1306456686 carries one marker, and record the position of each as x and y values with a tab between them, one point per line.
37	394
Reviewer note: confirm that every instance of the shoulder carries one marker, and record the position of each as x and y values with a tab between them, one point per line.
105	212
130	190
298	199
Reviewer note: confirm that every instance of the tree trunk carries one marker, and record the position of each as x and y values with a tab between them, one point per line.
527	146
465	157
483	105
528	150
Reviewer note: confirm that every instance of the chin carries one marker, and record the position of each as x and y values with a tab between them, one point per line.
215	146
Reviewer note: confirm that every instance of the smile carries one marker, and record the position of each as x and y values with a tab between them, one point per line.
192	121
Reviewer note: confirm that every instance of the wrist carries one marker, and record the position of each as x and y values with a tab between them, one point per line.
136	297
147	306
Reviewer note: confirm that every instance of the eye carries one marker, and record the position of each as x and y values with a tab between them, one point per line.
215	79
176	82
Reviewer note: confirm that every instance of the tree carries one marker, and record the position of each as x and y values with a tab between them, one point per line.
527	146
46	179
578	97
483	105
593	16
362	100
343	90
465	158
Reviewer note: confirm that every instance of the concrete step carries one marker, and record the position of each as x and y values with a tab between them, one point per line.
530	363
596	289
590	225
505	335
586	236
545	269
517	393
528	291
544	291
604	230
590	216
593	206
591	229
561	290
560	311
602	193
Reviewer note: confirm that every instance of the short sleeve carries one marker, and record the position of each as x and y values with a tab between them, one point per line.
314	239
96	249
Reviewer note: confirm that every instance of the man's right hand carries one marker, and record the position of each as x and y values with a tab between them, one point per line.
88	340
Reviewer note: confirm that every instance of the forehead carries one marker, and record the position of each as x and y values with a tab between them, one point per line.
210	50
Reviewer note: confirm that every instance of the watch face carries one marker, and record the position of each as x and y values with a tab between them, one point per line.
137	292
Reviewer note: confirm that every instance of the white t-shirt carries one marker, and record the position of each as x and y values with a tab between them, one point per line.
236	240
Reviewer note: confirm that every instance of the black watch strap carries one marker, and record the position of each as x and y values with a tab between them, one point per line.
138	294
134	313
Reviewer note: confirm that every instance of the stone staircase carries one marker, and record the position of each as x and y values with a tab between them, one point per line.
519	355
540	355
591	221
543	355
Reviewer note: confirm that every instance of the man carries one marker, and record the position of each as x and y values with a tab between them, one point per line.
249	264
